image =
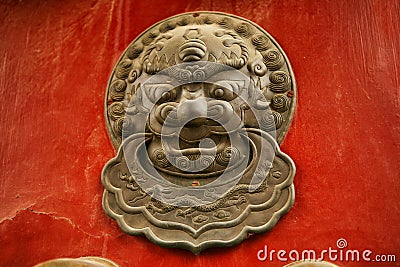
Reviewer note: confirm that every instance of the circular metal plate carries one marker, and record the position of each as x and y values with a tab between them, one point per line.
264	59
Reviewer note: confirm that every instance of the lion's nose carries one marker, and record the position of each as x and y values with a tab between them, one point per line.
192	113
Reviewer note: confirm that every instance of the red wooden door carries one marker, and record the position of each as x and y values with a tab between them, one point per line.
56	58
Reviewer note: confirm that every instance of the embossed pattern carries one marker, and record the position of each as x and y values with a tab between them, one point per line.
263	99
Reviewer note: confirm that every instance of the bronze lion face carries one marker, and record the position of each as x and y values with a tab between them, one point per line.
197	106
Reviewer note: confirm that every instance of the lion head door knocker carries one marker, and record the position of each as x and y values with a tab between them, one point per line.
197	105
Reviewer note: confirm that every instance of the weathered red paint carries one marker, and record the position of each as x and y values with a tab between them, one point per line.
56	57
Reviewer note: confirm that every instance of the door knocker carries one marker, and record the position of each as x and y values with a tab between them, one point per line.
196	107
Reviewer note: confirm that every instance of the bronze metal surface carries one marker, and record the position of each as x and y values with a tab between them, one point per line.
197	106
79	262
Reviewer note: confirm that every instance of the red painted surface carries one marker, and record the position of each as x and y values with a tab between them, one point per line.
55	61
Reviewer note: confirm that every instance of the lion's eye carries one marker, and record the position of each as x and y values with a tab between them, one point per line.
168	96
222	93
218	93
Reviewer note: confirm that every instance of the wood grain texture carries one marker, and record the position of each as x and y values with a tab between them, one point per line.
56	58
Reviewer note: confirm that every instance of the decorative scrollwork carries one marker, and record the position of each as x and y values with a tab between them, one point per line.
123	69
221	214
118	125
273	59
134	51
280	81
278	119
244	29
257	67
116	110
160	159
233	60
200	219
149	38
225	22
261	42
228	154
117	90
167	26
134	74
185	21
280	102
267	122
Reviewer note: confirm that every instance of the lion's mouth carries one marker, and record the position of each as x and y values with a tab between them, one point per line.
186	166
197	163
